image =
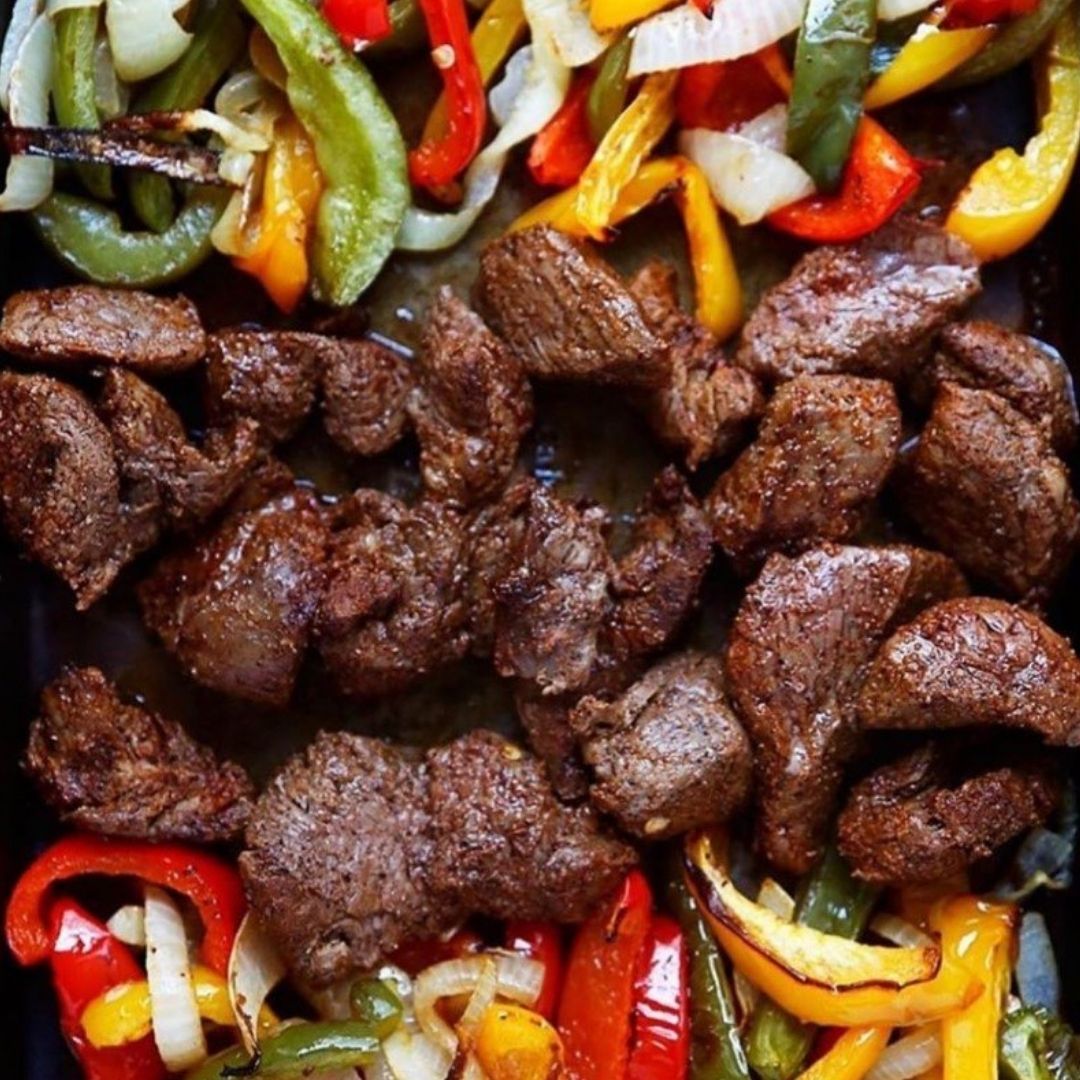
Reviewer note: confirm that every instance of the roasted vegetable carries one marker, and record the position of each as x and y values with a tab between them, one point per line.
1036	1045
609	91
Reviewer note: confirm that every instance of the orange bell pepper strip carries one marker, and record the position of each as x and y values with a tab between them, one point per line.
615	14
514	1043
563	148
851	1057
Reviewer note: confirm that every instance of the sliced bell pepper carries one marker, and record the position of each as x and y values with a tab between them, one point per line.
212	885
540	941
358	21
564	147
595	1011
660	1047
879	178
514	1043
615	14
413	956
1011	197
87	961
851	1056
721	96
608	94
983	12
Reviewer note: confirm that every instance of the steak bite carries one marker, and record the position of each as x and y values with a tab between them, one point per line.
935	812
394	607
471	408
823	452
566	313
870	308
985	486
667	755
236	605
87	324
975	661
121	769
799	648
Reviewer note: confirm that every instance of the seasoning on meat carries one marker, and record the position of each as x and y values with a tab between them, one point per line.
933	813
471	408
985	486
87	324
566	313
975	662
823	452
799	647
118	768
871	308
667	755
235	606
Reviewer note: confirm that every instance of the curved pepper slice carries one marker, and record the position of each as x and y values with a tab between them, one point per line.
540	941
564	146
514	1043
852	1056
661	1020
724	95
1012	196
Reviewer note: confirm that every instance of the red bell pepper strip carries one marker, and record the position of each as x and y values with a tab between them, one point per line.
564	146
414	956
436	163
358	21
540	941
661	1019
86	961
878	179
723	95
984	12
598	993
212	885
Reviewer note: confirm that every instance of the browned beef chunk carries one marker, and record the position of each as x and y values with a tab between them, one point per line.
471	408
505	845
394	606
667	755
121	769
1030	375
80	324
985	486
799	648
706	406
975	662
871	308
566	313
935	812
236	605
823	452
546	722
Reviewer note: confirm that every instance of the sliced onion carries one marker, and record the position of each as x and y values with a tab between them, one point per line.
411	1055
22	18
128	924
768	128
899	931
111	96
255	968
29	179
566	24
473	1070
777	899
235	134
483	997
890	10
447	979
910	1056
520	978
505	92
178	1031
1037	976
145	36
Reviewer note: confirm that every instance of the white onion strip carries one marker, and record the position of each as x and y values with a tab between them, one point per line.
411	1055
909	1057
566	24
22	18
520	978
255	968
128	924
899	931
145	37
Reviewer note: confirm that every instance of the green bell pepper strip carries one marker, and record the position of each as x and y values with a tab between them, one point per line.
610	89
1034	1044
831	901
90	240
73	86
408	32
357	142
716	1050
218	35
832	70
373	1002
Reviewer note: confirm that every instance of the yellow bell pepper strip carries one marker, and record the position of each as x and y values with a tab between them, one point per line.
615	14
277	256
852	1056
929	55
977	936
514	1043
1012	196
629	141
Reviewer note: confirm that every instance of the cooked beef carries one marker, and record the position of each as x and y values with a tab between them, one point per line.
707	404
121	769
986	487
236	605
394	606
505	846
471	408
1030	375
798	650
81	324
975	662
667	755
871	308
566	313
545	720
823	452
935	812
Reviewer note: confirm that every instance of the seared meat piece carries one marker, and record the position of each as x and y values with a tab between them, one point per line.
668	755
975	662
121	769
85	324
236	606
871	308
471	408
985	486
505	846
546	722
394	607
824	450
935	812
798	650
707	404
566	313
1030	375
